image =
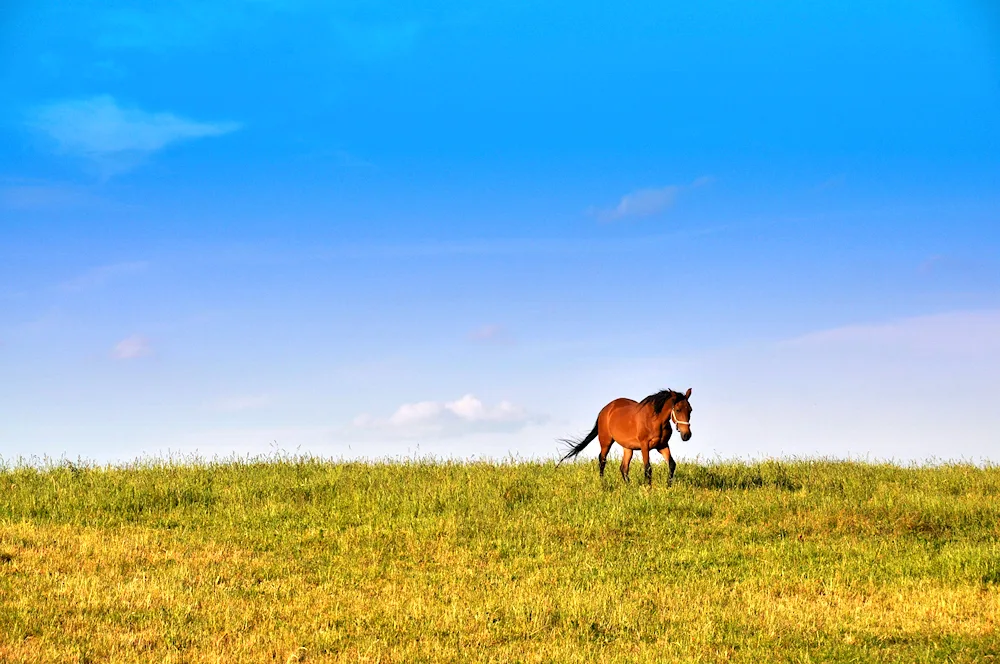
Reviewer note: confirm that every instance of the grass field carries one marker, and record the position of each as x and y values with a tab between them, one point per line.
302	560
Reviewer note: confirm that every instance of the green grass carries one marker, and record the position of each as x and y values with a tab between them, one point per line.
303	560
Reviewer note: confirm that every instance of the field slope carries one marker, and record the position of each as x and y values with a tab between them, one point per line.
303	560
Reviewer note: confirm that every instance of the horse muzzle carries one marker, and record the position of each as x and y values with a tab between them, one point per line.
685	435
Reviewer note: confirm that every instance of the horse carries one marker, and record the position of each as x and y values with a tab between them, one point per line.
638	426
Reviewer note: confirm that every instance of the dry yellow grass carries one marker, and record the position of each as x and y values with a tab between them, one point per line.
303	561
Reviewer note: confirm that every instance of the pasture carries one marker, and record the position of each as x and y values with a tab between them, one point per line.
304	560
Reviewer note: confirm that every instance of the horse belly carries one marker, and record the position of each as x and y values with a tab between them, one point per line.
629	444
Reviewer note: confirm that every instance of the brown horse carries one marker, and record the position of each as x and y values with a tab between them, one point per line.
638	426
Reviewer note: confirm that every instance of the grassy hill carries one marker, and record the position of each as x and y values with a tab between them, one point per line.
303	560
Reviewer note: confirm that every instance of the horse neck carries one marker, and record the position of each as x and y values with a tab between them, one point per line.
668	407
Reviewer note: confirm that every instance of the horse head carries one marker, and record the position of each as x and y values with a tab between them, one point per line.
681	415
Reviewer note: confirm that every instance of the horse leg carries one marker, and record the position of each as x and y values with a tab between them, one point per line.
646	465
670	462
626	460
605	439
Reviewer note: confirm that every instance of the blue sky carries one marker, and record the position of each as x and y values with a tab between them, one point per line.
371	229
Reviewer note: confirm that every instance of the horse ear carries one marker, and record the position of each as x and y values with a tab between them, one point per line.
687	395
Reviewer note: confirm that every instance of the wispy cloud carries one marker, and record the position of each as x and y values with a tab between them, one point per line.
116	138
491	333
831	183
99	276
35	195
465	415
962	332
930	264
131	348
647	202
274	253
235	404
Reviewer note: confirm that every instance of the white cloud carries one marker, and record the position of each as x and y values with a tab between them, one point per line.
113	137
131	348
471	409
647	202
416	413
643	203
465	415
99	276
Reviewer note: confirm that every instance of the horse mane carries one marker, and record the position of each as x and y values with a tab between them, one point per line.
660	399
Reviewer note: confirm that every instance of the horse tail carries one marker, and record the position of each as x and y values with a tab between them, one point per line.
576	446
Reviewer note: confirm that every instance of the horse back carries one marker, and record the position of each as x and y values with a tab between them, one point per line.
621	403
